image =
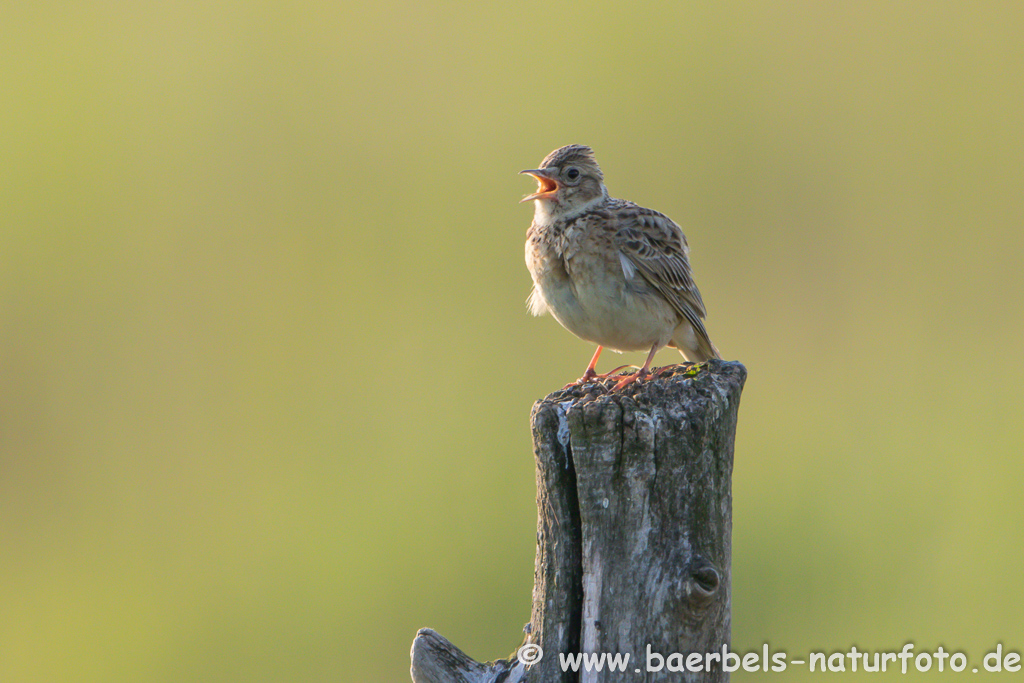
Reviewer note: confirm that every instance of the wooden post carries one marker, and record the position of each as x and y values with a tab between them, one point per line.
634	507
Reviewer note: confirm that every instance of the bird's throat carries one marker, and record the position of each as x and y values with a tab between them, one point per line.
547	212
544	212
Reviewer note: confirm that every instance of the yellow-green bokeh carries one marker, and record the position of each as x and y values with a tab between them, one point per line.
266	369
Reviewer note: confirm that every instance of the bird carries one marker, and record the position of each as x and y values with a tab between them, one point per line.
610	271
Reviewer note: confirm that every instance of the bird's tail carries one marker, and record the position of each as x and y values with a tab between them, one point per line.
694	344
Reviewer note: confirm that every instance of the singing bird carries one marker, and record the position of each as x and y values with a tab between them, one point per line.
608	270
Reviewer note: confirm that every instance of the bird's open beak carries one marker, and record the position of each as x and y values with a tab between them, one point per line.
547	186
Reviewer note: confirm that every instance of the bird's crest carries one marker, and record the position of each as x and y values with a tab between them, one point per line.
576	154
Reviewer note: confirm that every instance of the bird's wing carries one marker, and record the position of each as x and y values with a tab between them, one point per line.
657	249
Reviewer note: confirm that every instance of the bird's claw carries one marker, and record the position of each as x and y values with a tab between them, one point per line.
629	379
641	374
590	375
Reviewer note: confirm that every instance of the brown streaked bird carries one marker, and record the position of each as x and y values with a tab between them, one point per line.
608	270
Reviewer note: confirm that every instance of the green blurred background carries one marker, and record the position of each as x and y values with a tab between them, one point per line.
266	366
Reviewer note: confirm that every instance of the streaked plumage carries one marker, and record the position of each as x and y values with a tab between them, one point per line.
608	270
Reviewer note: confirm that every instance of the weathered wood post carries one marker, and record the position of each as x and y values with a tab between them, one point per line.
634	506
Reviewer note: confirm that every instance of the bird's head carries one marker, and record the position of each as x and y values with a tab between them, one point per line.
568	181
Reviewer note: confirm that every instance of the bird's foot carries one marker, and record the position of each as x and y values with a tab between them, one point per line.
629	379
590	375
642	374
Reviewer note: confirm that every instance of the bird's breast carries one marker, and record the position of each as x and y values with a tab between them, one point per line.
583	285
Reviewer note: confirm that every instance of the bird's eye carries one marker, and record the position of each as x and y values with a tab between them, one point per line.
572	173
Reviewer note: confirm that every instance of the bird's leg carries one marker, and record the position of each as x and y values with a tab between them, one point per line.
639	374
591	373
